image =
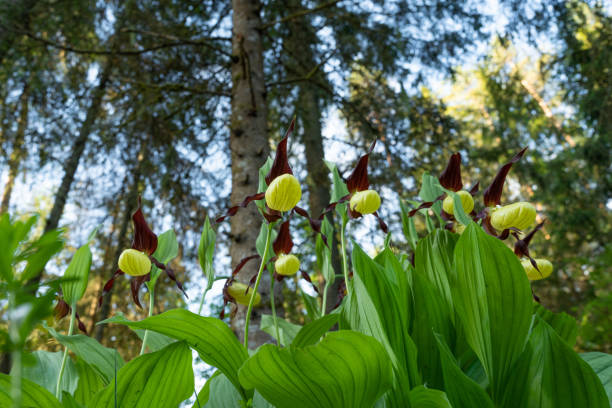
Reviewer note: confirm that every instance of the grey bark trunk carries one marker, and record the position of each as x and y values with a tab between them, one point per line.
249	149
18	153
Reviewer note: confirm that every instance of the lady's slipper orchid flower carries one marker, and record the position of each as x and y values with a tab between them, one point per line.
241	293
285	263
519	215
450	179
137	261
543	270
362	200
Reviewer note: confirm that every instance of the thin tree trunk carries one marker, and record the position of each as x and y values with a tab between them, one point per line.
18	153
249	149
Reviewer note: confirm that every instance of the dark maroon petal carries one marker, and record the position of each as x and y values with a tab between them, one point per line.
144	239
281	163
521	247
80	323
451	176
446	216
487	227
233	210
243	262
61	309
449	226
109	285
332	206
353	214
170	272
315	224
474	190
283	242
493	193
381	223
307	278
135	285
271	215
358	180
426	204
535	297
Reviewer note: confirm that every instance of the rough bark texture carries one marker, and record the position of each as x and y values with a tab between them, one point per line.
18	153
249	149
309	110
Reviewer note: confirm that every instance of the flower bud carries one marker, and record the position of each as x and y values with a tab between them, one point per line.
518	215
238	291
134	262
283	193
544	266
466	201
365	202
287	265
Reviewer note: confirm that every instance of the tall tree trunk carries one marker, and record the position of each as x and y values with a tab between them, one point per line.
122	241
309	112
78	147
18	153
249	149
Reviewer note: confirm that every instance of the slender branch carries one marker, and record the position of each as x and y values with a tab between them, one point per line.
299	14
170	87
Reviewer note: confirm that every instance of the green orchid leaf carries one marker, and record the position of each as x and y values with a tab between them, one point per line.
90	382
564	324
103	360
77	275
46	368
601	363
422	397
162	379
287	330
493	301
346	369
461	390
551	374
32	394
211	338
206	252
311	333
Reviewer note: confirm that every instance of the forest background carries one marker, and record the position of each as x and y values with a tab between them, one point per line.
181	101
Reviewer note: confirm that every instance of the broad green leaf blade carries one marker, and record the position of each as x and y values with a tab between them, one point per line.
430	188
68	401
221	394
77	275
339	189
100	358
39	252
377	307
564	324
408	226
550	374
163	379
167	247
32	394
434	259
311	305
89	383
421	397
155	341
46	368
311	333
345	370
206	252
432	316
263	171
493	300
210	337
601	363
287	330
461	390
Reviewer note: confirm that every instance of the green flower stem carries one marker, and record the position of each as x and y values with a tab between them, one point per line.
344	261
58	387
273	306
15	355
324	301
202	301
259	273
151	305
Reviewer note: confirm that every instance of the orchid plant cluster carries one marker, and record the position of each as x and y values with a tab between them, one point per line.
452	323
